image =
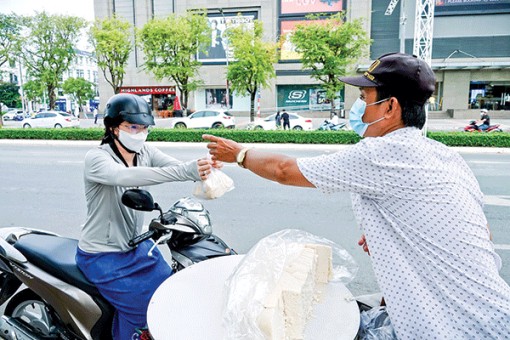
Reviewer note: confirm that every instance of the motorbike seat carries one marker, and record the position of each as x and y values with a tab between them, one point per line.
56	256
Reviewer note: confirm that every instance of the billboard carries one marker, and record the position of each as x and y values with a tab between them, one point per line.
218	51
469	7
303	7
306	97
287	48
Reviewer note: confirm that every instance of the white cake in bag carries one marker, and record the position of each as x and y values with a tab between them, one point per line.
289	305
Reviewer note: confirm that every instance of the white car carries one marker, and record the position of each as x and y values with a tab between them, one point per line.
12	114
296	121
205	119
51	119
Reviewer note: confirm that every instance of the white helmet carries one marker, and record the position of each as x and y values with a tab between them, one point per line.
194	212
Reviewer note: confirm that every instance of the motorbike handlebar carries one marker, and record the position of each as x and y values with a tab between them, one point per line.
140	238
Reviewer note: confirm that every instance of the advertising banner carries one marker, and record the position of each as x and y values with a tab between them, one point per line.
310	6
319	102
469	7
293	97
218	51
287	49
306	97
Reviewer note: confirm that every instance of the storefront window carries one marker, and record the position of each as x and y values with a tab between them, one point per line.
489	95
217	99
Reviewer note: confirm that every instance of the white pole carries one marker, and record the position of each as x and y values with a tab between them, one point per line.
423	30
21	86
227	99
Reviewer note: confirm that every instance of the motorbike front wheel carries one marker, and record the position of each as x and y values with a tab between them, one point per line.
29	308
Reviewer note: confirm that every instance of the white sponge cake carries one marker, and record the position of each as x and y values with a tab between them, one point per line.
324	262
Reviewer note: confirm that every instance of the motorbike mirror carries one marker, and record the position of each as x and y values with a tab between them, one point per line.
138	199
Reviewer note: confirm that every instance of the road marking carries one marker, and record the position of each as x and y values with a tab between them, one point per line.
502	246
503	201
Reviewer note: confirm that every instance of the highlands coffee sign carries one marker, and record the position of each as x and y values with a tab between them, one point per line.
148	89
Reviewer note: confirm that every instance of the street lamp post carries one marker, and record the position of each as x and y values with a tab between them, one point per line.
227	99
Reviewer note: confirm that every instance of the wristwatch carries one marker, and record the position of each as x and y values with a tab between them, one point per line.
240	156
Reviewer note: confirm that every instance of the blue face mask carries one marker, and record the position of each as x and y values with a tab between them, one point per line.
356	116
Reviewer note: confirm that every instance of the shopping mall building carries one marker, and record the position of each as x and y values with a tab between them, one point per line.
470	52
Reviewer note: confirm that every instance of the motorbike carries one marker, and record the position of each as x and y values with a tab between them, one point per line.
329	126
18	117
47	297
472	127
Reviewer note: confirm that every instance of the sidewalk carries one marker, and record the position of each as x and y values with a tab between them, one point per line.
435	124
432	124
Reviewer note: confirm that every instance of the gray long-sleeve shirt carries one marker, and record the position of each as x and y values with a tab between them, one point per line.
110	224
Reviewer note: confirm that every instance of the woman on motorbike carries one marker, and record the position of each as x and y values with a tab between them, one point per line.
127	277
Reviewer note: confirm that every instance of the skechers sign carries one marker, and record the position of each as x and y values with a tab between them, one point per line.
289	97
297	95
305	97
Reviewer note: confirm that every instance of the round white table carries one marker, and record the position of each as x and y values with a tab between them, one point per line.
189	304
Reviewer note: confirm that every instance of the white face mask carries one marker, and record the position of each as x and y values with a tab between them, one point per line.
132	142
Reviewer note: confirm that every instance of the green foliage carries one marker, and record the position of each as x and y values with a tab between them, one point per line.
80	89
496	140
328	47
493	139
9	95
33	90
52	134
47	48
111	38
9	30
252	67
170	46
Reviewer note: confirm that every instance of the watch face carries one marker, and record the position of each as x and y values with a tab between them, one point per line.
240	157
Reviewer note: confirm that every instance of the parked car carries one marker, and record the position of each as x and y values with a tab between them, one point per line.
205	119
51	119
296	121
15	114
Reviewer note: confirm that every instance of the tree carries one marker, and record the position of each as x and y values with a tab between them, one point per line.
9	94
47	48
111	39
33	90
252	66
170	46
9	30
328	47
79	89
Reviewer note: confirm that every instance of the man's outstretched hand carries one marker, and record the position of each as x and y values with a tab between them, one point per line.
222	149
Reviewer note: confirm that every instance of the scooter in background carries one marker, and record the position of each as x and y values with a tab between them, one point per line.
329	126
472	127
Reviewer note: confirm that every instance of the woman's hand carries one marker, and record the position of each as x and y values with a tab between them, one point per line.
204	167
217	164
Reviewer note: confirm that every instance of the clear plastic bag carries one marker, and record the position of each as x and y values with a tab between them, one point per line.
375	324
216	185
259	271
